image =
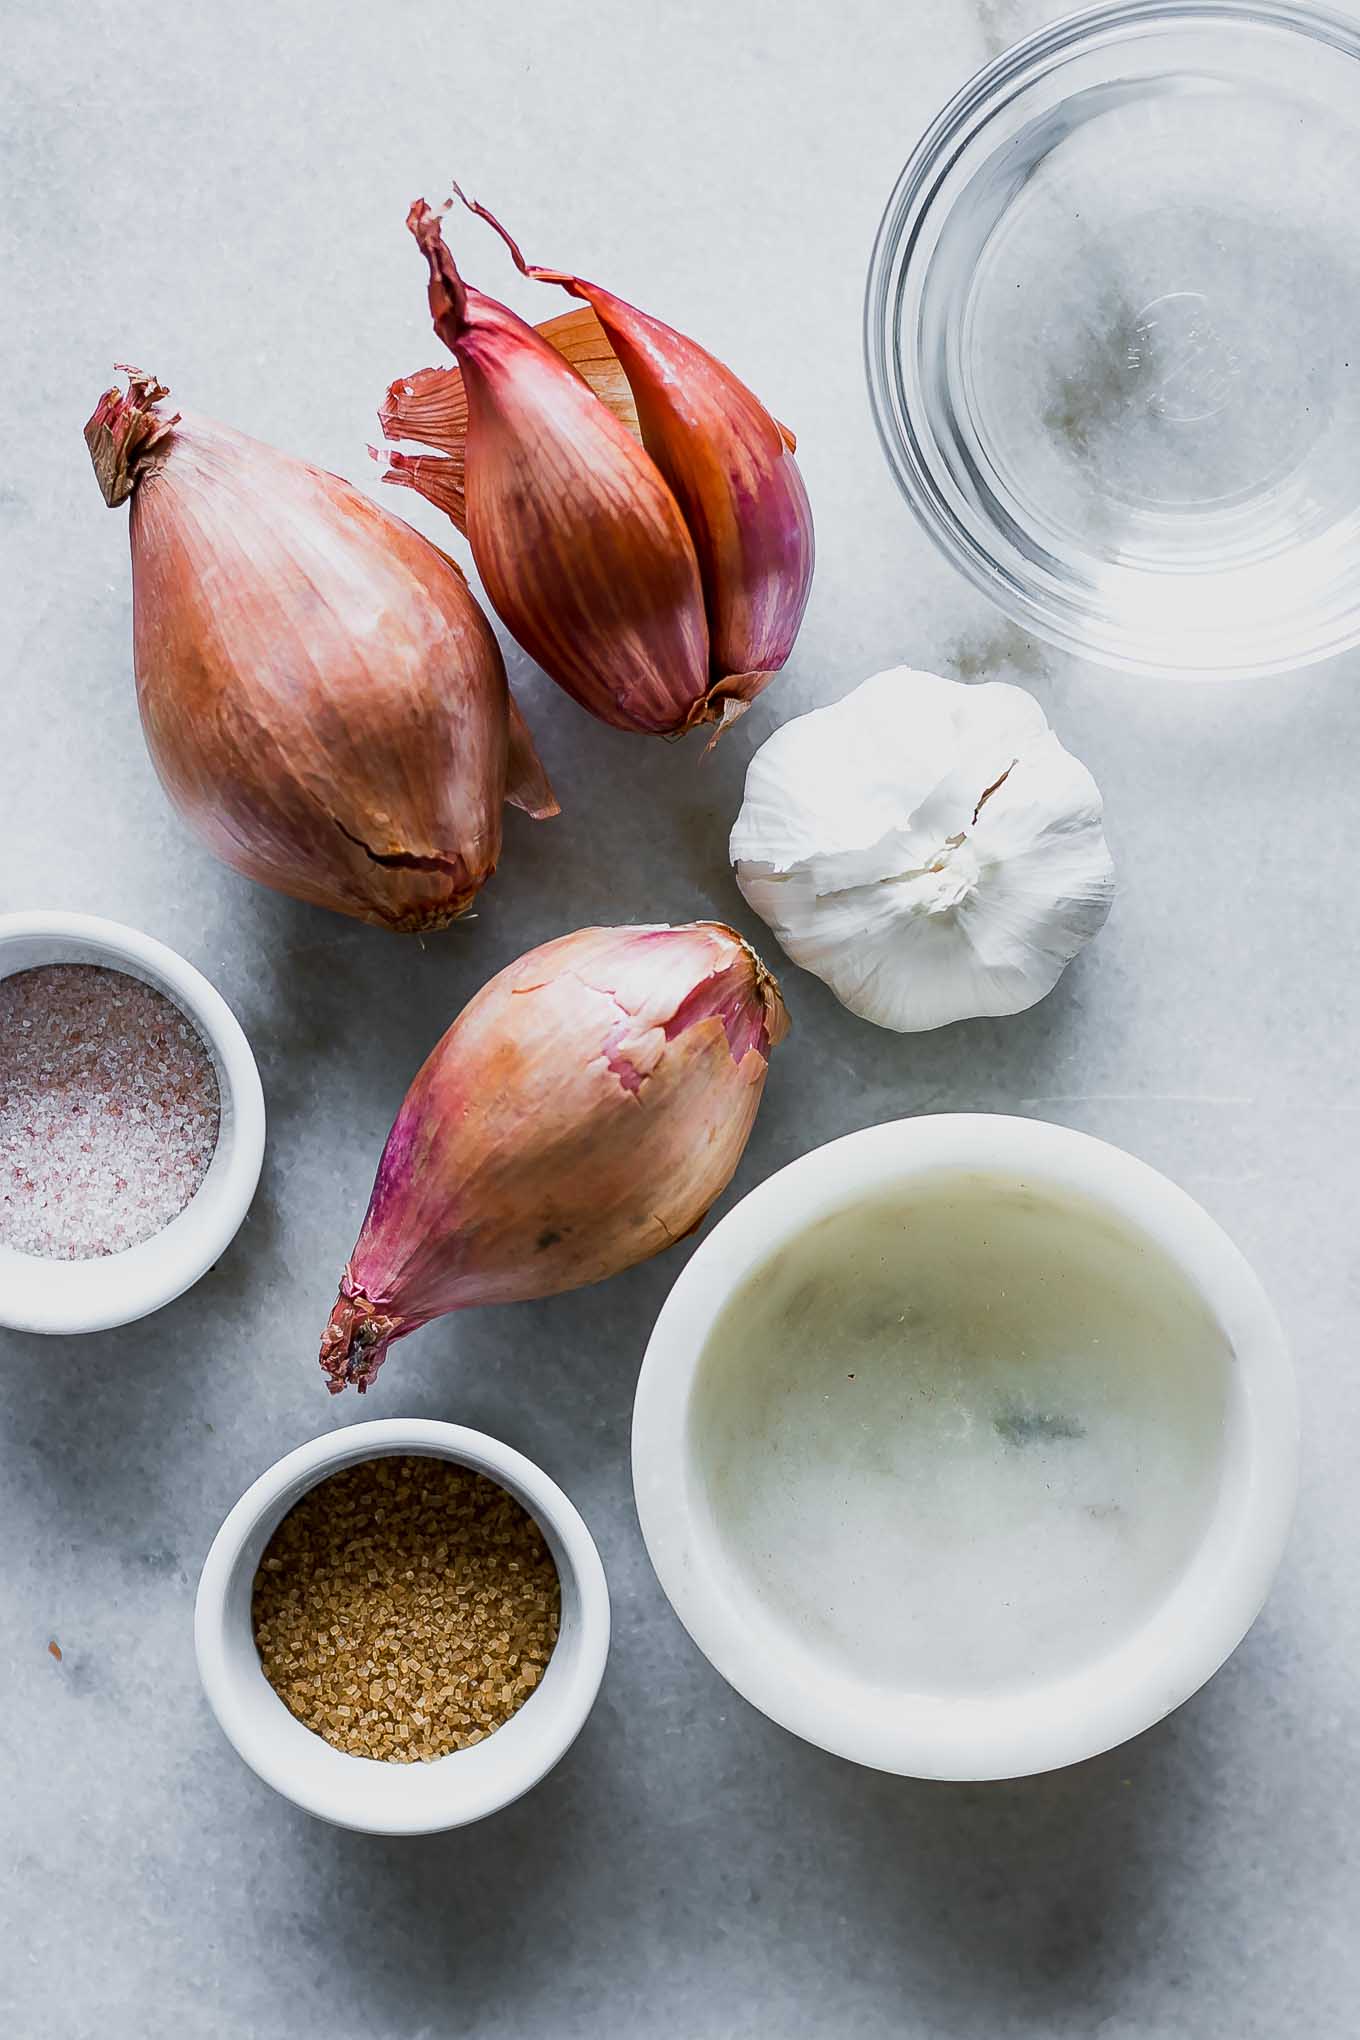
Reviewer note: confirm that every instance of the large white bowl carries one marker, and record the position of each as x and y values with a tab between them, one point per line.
362	1792
1036	1727
114	1289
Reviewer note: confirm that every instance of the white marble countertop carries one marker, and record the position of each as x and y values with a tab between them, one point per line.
218	193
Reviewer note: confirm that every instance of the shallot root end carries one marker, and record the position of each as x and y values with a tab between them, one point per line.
355	1342
420	917
726	701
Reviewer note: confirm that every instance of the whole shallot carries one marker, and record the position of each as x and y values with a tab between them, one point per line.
322	698
636	514
582	1113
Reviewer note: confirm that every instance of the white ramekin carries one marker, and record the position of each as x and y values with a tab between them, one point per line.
1148	1672
114	1289
361	1792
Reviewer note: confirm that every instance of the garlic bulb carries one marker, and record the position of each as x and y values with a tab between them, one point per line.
927	847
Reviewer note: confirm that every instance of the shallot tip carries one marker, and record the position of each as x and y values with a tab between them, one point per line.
355	1342
447	291
534	270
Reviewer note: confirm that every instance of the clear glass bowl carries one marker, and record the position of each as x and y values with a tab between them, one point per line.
1113	334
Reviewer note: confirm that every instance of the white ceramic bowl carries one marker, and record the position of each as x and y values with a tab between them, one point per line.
361	1792
90	1296
781	1663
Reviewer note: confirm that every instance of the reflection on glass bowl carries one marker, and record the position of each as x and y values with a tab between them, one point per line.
1113	334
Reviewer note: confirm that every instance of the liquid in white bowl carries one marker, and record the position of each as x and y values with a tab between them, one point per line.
963	1439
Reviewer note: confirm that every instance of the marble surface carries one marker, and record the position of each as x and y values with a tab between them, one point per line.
219	193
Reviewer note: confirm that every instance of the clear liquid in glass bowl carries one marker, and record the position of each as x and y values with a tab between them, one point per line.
1113	334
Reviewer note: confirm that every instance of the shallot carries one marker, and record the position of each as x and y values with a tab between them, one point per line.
582	1112
636	514
324	701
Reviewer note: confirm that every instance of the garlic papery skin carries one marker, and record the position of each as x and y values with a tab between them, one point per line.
926	847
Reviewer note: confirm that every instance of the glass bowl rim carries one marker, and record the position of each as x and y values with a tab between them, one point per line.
1059	622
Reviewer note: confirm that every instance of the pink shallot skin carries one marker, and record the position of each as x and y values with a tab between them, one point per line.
582	1112
732	471
579	542
430	407
737	482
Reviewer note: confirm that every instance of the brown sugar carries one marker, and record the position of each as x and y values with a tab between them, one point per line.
406	1608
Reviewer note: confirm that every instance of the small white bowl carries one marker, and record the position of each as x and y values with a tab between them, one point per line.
115	1289
368	1794
786	1656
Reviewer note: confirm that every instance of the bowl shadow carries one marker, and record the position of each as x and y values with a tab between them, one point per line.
1042	1905
448	1930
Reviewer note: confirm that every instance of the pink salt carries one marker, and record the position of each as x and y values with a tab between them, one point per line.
109	1111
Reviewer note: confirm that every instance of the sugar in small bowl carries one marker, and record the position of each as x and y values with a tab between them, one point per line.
402	1626
131	1123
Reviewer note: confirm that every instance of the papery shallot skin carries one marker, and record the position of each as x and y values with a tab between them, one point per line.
323	700
582	1112
430	407
732	470
729	464
579	542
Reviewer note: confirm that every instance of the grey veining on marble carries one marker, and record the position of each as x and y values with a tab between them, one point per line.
217	192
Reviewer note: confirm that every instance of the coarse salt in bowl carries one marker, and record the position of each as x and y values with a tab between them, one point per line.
374	1795
106	1289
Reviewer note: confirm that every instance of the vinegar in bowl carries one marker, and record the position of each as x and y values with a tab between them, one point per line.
962	1439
